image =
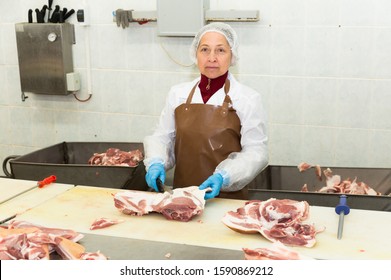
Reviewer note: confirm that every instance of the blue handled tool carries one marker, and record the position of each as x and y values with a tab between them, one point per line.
342	209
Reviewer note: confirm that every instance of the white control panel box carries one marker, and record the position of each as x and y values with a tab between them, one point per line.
181	17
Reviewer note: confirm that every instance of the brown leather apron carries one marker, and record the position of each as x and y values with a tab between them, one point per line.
205	136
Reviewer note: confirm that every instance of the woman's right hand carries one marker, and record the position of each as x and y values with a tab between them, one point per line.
154	172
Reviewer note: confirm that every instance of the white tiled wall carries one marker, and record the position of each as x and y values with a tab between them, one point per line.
323	68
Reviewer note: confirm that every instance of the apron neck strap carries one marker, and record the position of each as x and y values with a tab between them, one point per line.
227	99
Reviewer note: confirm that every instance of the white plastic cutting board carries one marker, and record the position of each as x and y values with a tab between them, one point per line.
12	187
27	200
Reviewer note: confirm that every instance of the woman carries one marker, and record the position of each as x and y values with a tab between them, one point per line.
213	128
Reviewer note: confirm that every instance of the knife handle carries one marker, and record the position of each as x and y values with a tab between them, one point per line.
68	14
43	12
30	16
47	181
55	16
39	16
60	17
159	184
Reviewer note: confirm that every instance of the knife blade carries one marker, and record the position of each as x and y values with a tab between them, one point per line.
162	187
50	3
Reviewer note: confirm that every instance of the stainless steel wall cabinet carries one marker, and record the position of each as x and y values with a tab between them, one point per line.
45	56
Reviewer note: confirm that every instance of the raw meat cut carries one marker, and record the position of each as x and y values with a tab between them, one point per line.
276	219
246	219
93	256
103	223
304	166
66	233
137	203
22	240
277	251
181	205
335	184
114	156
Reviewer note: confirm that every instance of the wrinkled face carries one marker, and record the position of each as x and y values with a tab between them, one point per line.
213	55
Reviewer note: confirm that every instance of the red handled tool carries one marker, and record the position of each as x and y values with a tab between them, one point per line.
40	184
47	181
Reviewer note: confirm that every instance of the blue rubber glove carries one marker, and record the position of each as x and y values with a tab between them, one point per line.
215	182
155	171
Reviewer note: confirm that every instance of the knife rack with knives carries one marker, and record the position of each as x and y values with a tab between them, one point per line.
58	15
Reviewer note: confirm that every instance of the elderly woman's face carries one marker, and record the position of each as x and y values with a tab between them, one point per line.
213	55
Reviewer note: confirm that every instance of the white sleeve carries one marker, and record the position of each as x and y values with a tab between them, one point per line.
240	168
159	147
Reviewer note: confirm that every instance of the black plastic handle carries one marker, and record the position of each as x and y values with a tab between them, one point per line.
5	170
55	16
30	16
159	184
43	12
39	16
67	15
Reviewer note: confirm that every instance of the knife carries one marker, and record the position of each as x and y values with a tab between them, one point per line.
162	187
68	14
50	2
43	12
40	184
55	16
30	16
39	16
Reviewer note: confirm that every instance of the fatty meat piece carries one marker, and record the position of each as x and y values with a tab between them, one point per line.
335	184
104	223
276	220
181	205
303	166
93	256
137	203
277	251
66	233
246	219
27	241
116	157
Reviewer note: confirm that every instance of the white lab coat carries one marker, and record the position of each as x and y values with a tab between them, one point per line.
238	169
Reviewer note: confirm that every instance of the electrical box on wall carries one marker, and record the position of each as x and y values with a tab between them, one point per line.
45	56
179	17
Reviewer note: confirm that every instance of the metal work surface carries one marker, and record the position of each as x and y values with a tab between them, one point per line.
121	248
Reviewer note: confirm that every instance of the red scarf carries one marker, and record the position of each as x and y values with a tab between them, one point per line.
208	87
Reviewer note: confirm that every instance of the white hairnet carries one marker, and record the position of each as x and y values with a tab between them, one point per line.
221	28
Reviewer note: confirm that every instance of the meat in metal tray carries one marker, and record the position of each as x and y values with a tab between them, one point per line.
69	162
286	182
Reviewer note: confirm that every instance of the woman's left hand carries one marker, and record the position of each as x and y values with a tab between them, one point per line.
215	182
